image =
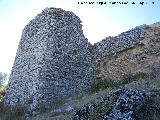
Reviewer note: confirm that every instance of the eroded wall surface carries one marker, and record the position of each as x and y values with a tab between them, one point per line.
53	60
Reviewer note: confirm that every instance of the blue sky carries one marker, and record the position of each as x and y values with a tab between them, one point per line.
99	21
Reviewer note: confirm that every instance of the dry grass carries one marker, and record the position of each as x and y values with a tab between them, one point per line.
104	84
16	113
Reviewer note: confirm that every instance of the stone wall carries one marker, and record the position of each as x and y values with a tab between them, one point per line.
136	57
113	45
53	60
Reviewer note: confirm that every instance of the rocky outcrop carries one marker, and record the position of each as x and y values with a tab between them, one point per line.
132	53
83	112
122	104
131	102
53	60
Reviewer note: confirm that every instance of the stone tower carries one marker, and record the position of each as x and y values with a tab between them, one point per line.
53	60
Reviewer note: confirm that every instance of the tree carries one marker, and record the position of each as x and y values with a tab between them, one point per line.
3	77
